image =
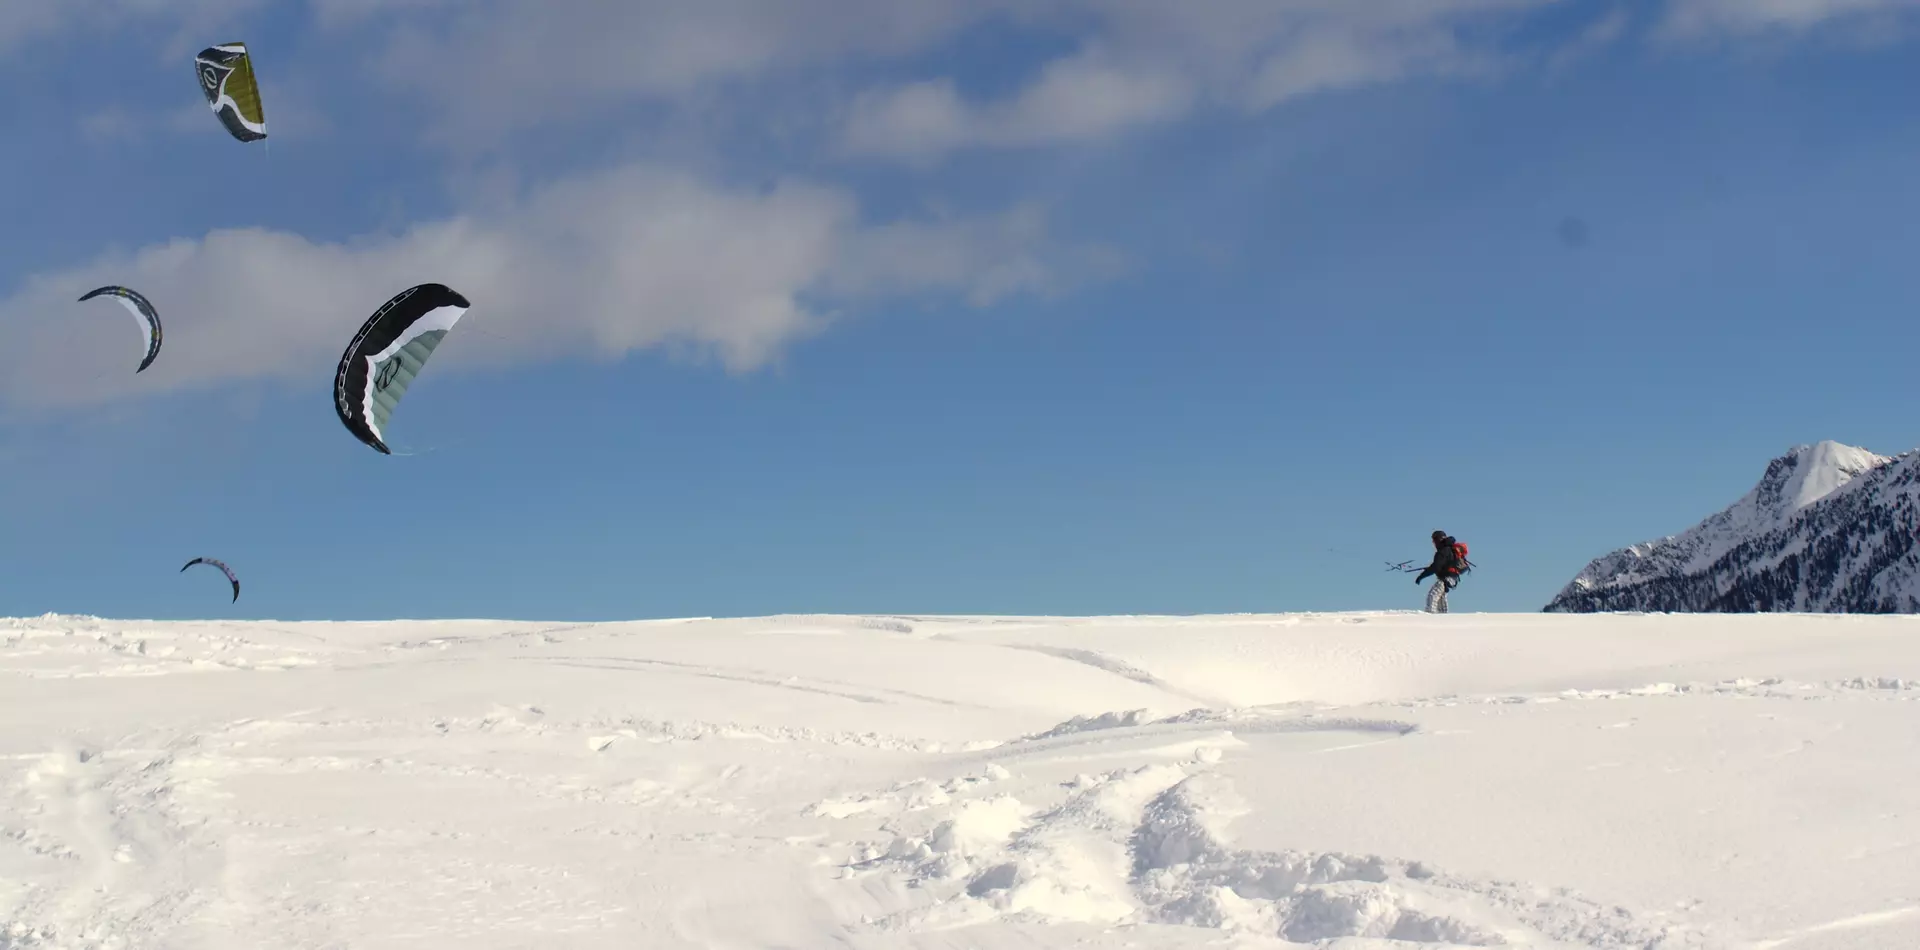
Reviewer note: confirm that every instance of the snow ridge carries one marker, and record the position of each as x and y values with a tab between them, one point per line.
1830	528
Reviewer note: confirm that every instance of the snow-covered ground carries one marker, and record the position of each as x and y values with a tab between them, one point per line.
1348	781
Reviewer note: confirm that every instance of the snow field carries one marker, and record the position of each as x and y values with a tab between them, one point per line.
1344	781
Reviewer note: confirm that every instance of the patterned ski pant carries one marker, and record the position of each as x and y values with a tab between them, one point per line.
1437	596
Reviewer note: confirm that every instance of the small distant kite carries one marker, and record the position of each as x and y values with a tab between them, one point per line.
224	569
142	310
226	77
388	352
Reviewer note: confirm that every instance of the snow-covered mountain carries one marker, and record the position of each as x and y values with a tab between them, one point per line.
1830	528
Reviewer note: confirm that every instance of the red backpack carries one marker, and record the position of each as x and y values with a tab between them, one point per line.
1461	565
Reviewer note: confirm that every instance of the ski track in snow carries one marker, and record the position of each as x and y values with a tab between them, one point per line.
1141	845
917	781
1116	667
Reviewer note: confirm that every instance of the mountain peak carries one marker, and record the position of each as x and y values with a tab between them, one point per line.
1829	527
1806	474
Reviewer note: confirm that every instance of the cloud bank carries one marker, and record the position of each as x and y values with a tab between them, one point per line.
23	21
1130	63
634	257
642	255
1700	17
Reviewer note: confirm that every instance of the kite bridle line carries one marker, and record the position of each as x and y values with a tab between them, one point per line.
1391	566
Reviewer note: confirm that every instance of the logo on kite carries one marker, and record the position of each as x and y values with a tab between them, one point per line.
386	374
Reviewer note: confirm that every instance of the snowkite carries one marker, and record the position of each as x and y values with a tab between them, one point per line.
224	569
388	352
142	310
226	77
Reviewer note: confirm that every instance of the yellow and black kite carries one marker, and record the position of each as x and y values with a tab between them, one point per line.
226	76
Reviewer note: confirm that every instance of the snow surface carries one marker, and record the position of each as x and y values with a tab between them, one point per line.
1346	781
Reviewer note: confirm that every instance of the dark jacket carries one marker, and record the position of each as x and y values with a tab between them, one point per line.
1445	563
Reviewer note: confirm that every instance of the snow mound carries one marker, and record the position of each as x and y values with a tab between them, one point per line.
1146	846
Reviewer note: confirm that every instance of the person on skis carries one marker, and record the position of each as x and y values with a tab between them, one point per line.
1449	557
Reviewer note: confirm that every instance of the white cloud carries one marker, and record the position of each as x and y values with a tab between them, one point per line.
1603	32
343	12
112	126
25	20
970	255
632	258
293	114
1150	62
1692	18
1343	58
1077	98
491	66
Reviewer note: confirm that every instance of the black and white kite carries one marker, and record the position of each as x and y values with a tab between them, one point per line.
224	569
388	352
142	310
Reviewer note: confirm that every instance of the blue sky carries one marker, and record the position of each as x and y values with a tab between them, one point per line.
938	306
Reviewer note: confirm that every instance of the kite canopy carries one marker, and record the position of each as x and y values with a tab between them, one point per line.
142	310
226	77
388	352
224	569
